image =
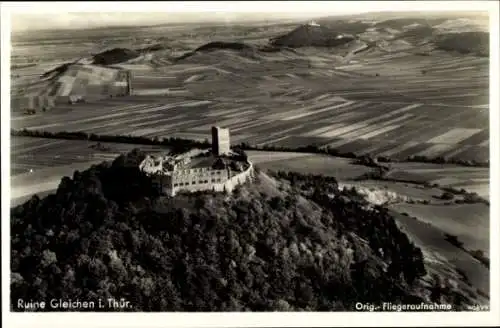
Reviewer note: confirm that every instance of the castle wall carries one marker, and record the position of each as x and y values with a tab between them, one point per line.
238	179
206	179
198	179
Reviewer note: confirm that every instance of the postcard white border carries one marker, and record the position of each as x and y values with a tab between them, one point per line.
292	319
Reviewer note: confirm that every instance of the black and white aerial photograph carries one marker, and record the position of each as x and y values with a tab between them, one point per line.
333	158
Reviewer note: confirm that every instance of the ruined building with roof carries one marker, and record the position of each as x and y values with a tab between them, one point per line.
218	169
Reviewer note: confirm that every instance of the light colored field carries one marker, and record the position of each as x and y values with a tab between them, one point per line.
380	131
469	222
440	253
34	149
163	120
222	122
193	78
158	92
43	180
322	130
454	136
435	150
340	168
120	122
341	130
302	115
259	157
372	127
485	143
147	131
469	178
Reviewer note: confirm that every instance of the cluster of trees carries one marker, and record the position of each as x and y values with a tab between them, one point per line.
218	45
467	197
311	36
442	160
181	145
374	225
465	43
114	56
107	232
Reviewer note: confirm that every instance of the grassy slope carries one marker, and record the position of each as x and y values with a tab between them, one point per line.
469	222
443	256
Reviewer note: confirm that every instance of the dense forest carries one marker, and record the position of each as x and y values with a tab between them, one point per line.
283	243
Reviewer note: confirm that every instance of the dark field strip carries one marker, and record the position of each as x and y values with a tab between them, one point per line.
474	153
300	141
23	142
356	146
42	161
472	119
422	131
157	84
477	138
76	147
342	115
386	145
376	113
398	135
442	91
411	151
36	147
425	128
16	171
453	152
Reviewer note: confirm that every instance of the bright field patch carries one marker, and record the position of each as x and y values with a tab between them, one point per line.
340	168
469	222
454	136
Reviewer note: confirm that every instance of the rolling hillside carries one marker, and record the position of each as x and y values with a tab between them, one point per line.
266	247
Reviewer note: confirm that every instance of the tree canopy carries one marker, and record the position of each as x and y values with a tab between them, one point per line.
107	233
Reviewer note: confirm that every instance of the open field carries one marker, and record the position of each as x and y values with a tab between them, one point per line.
340	168
469	222
387	103
441	255
469	178
39	154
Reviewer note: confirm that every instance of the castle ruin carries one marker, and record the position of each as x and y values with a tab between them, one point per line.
218	169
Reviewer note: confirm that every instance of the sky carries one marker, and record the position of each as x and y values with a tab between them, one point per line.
30	22
63	15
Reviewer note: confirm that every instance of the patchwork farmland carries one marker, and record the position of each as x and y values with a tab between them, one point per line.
385	100
61	156
398	114
391	92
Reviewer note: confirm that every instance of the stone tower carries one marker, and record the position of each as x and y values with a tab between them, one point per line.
220	141
129	83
